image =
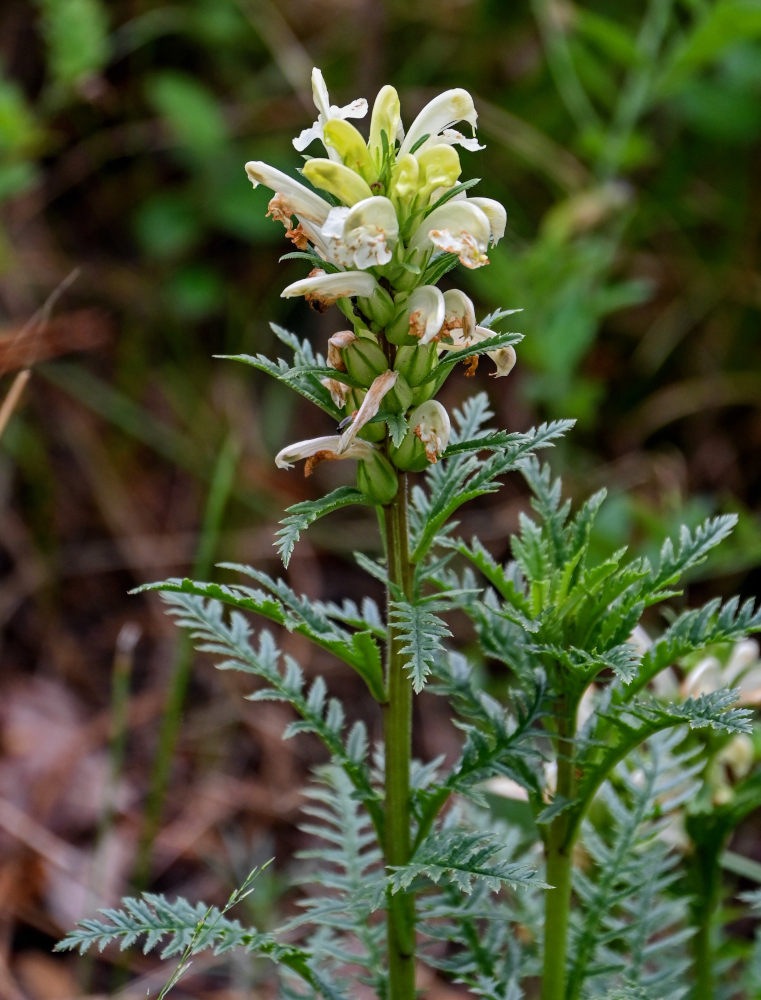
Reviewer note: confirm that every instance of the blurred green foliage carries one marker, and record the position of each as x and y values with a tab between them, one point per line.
624	141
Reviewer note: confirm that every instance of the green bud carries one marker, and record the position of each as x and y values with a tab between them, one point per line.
364	360
337	179
415	362
385	118
399	398
379	307
404	179
398	329
439	168
377	479
374	432
410	455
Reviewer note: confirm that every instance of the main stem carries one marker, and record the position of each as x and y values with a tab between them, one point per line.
559	848
397	729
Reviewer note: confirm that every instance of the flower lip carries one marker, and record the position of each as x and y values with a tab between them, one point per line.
456	227
362	236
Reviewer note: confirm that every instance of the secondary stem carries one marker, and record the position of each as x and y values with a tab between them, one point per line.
397	725
559	848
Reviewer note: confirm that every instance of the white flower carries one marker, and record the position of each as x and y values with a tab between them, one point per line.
460	318
457	227
326	111
322	449
742	671
362	236
291	199
461	331
335	447
436	118
430	423
426	308
323	289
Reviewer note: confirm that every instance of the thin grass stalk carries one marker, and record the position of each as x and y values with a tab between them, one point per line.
221	487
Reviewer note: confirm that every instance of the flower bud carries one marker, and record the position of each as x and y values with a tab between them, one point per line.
439	167
399	398
379	307
386	118
416	363
404	179
342	136
337	179
377	479
364	359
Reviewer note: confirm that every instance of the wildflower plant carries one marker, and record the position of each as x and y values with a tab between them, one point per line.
412	865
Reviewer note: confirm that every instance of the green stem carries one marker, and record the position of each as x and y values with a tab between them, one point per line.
708	879
397	728
559	850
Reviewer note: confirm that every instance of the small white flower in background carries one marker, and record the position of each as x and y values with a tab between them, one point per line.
326	111
742	671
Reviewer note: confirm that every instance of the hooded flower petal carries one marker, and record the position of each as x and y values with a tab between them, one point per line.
294	198
436	117
322	449
426	307
460	318
370	405
326	111
457	227
328	288
462	331
362	236
496	215
430	423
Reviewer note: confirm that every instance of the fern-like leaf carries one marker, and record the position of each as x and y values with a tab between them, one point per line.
301	515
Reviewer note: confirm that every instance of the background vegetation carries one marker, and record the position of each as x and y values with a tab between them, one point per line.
625	143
